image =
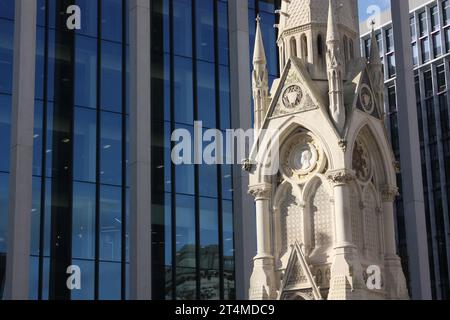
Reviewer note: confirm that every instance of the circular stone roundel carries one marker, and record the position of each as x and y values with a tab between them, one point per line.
366	98
292	97
301	157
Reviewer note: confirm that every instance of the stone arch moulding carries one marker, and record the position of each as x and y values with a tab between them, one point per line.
379	150
290	126
308	197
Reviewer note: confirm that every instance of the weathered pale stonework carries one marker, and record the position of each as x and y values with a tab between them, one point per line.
327	215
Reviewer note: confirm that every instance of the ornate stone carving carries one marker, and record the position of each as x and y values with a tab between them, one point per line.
343	145
261	191
301	158
292	97
367	99
248	165
389	193
361	162
339	177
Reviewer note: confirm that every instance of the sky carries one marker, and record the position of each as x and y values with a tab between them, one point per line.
365	4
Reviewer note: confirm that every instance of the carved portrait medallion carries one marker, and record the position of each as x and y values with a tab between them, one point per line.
301	157
292	97
367	99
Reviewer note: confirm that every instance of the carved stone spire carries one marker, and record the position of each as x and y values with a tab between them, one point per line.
335	70
376	71
374	59
332	31
259	55
260	78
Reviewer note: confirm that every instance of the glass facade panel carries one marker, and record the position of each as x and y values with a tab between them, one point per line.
86	72
111	148
80	161
7	9
5	131
110	224
109	281
6	55
85	146
111	76
83	229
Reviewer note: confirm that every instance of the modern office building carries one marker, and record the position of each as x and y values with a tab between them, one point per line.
87	165
189	233
430	45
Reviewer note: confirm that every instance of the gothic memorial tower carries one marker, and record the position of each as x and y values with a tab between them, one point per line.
325	217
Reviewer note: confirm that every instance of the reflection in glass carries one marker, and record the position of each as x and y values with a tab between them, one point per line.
111	148
209	285
39	77
185	231
110	281
33	278
224	83
85	72
186	284
37	137
83	229
209	234
7	9
222	9
110	223
112	20
85	133
206	94
205	30
228	235
5	131
182	23
162	229
35	216
6	55
111	81
183	91
185	173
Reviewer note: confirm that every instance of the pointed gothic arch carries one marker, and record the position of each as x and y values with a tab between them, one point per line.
319	218
357	218
351	49
380	154
304	47
289	127
287	212
346	51
320	46
373	240
293	47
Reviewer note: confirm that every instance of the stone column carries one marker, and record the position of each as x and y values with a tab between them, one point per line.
22	125
346	272
340	180
388	196
140	152
395	281
262	283
262	201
